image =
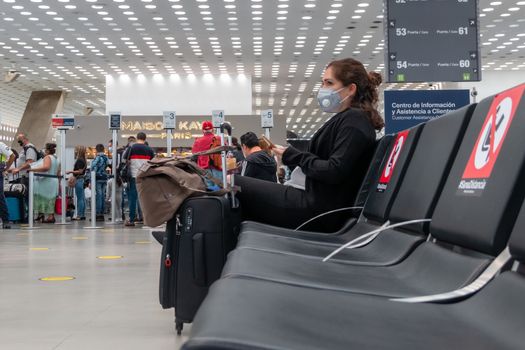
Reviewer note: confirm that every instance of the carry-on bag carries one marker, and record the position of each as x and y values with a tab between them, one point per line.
197	240
15	190
14	208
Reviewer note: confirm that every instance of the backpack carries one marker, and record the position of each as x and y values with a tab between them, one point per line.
216	159
39	154
124	172
100	170
15	153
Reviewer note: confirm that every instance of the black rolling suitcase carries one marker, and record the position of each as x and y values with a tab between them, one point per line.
197	240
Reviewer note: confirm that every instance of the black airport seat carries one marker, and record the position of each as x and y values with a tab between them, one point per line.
369	180
253	314
471	228
419	190
476	214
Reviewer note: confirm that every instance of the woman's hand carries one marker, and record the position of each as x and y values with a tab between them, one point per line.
279	150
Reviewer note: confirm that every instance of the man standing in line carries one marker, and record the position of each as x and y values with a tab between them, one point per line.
204	143
99	165
124	175
7	157
138	154
28	155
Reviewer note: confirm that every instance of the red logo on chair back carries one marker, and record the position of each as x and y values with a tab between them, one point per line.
386	174
490	140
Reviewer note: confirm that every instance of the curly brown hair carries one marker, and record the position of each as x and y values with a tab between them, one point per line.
350	71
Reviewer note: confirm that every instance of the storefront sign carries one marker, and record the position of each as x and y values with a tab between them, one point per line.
91	130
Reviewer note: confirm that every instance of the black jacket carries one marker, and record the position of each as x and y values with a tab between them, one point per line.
260	165
336	160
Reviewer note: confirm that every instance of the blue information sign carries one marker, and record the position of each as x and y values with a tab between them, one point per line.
405	109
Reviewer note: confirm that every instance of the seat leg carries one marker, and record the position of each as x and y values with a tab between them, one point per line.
178	326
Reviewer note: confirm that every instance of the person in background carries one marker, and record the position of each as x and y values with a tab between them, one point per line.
258	164
122	151
204	143
7	157
237	153
138	154
10	177
99	165
46	188
28	155
110	146
79	170
122	154
337	157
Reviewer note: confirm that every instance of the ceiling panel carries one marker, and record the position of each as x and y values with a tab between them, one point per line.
283	45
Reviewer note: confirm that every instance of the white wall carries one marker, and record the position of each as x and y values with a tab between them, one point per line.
191	95
494	82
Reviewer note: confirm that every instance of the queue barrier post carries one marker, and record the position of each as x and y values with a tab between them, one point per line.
169	138
93	202
62	178
114	177
31	219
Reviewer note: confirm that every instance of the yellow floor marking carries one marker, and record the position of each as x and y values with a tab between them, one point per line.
57	278
37	249
109	257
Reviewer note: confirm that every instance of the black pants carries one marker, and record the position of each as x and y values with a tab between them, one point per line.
273	203
285	206
24	201
4	213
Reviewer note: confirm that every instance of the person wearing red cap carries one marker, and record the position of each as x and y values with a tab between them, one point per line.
204	143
